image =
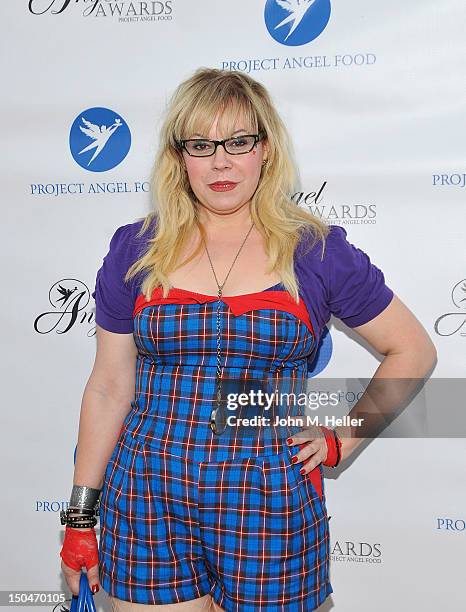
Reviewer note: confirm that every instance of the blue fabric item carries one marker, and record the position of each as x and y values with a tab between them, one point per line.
184	512
84	601
252	532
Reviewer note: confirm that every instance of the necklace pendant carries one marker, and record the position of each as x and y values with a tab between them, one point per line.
212	421
217	421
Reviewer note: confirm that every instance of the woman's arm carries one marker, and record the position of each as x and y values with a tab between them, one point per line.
105	404
409	356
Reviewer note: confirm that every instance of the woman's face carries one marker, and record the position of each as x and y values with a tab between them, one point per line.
224	183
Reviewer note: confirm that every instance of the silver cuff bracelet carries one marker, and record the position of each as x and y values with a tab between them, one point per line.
84	497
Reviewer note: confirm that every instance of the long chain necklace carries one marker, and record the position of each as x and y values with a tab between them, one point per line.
215	416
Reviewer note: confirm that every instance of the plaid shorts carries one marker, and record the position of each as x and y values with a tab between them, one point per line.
183	513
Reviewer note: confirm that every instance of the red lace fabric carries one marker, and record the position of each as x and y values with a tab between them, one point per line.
80	548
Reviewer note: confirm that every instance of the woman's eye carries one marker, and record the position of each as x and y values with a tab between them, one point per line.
238	143
201	146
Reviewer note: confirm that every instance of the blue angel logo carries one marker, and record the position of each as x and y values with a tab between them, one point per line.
297	9
100	136
99	139
296	22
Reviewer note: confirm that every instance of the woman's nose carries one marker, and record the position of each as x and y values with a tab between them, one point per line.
220	158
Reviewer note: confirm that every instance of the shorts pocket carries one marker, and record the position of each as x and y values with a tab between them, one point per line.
311	484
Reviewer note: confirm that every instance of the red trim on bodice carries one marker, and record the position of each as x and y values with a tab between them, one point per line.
239	304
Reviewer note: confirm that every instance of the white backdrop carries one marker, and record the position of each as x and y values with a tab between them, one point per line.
375	106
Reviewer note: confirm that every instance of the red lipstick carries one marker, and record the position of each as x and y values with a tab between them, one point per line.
222	186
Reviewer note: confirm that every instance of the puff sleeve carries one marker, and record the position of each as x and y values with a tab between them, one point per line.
356	288
113	298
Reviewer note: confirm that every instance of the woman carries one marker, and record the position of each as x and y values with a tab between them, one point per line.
196	301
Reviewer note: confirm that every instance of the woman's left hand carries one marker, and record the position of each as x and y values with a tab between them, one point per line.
313	448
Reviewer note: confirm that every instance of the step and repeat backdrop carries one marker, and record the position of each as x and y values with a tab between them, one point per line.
373	96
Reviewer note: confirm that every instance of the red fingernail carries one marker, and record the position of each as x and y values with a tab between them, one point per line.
94	588
302	471
289	440
294	459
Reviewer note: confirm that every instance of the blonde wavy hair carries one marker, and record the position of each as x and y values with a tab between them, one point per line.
194	105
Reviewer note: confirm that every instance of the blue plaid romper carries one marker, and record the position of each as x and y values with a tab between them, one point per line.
185	512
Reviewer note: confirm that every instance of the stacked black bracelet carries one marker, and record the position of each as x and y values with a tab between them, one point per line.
83	508
79	517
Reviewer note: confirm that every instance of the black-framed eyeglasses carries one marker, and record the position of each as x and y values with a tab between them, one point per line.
238	145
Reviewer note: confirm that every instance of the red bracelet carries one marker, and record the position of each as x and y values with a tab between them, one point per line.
333	447
338	445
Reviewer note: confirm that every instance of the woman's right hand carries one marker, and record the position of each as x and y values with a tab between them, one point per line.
80	549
